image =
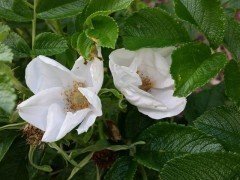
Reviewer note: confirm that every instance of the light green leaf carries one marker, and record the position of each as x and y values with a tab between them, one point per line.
6	70
165	141
6	140
4	31
152	28
85	45
15	10
123	168
108	6
232	37
205	166
49	44
7	93
193	66
6	54
223	123
232	81
18	45
56	9
104	31
207	15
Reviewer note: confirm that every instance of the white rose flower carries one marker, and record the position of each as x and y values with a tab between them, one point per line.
144	78
63	99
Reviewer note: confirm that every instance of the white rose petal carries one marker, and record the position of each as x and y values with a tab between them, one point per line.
144	78
63	99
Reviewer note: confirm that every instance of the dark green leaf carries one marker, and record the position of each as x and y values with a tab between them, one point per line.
207	15
165	141
6	140
13	165
123	168
49	44
232	37
205	166
18	45
223	123
193	66
199	102
104	31
152	28
135	123
56	9
232	81
15	10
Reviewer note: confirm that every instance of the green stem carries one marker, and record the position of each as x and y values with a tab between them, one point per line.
143	172
45	168
16	126
98	176
80	165
34	21
63	153
28	4
100	129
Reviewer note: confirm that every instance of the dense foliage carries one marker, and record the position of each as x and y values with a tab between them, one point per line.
203	142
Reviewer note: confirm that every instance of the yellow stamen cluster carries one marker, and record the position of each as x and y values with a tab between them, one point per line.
75	100
33	135
146	82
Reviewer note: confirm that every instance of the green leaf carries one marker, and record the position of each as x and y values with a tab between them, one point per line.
152	28
203	166
84	45
193	66
7	71
165	141
4	31
7	93
135	123
108	6
199	102
223	123
49	44
6	54
15	10
232	81
232	37
6	140
13	165
207	15
104	31
56	9
18	45
123	168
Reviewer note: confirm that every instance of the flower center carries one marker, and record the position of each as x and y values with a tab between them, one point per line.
146	82
75	100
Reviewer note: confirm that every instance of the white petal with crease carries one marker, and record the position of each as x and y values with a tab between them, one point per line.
93	99
35	109
55	118
44	73
87	123
71	121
